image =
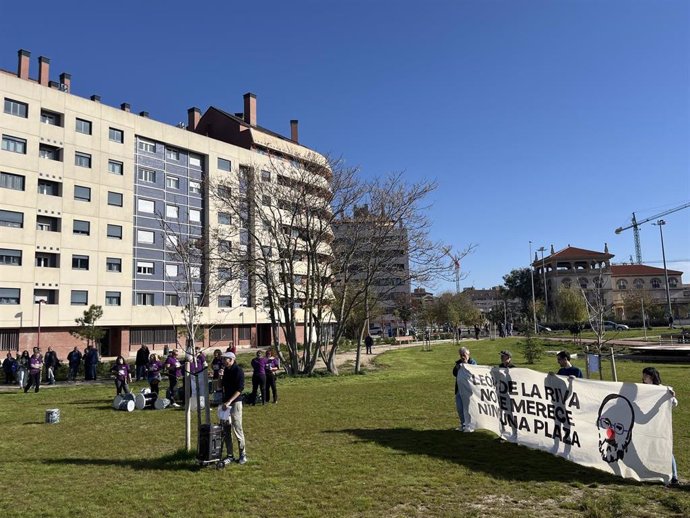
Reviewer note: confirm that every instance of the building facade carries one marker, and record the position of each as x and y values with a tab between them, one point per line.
94	198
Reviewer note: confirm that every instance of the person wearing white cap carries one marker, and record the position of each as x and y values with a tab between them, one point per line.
233	385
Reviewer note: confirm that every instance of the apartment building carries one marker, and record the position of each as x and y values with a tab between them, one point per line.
94	197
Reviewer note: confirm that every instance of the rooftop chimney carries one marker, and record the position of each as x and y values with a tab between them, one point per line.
43	70
23	64
66	81
193	117
294	134
96	98
250	108
125	107
144	114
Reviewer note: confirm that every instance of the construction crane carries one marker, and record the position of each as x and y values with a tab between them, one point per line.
635	225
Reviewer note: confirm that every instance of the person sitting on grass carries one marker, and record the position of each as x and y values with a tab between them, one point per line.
122	375
651	376
464	353
567	368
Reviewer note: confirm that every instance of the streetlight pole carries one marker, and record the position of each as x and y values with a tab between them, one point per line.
660	223
543	271
40	302
534	303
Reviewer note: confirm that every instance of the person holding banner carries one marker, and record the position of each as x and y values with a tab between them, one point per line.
506	360
651	376
567	368
464	353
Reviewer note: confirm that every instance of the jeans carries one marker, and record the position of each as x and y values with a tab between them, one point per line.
234	426
121	386
34	379
458	406
171	389
21	377
50	375
73	369
141	372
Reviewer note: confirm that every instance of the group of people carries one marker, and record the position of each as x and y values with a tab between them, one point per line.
25	368
650	376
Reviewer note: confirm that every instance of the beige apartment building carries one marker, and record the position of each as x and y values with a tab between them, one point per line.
89	195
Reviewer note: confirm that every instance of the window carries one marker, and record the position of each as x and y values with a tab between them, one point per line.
81	227
171	299
113	264
10	257
17	108
266	200
83	126
265	176
171	270
114	231
82	193
115	199
224	273
10	218
49	152
116	135
146	176
47	223
622	284
49	188
51	118
79	298
224	246
245	333
172	211
82	159
9	295
80	262
224	165
146	206
171	241
115	167
144	268
145	237
672	282
224	301
638	283
145	145
194	216
112	298
47	260
194	160
224	218
12	181
172	182
14	144
172	154
194	188
144	299
656	284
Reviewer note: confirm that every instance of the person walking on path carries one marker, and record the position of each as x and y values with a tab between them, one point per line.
259	377
272	366
51	363
9	367
23	369
369	343
464	353
233	385
140	362
35	368
74	360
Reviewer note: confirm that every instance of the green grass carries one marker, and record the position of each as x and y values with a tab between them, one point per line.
377	444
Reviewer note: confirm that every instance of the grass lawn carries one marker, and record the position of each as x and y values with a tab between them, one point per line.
378	444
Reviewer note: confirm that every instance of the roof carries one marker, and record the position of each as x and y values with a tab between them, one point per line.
627	270
571	253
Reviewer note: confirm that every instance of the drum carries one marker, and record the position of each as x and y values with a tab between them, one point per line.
161	403
142	401
52	416
116	401
126	405
145	391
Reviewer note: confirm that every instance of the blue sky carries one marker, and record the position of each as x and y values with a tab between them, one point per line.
550	121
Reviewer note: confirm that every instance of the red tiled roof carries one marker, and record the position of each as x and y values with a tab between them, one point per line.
570	253
627	270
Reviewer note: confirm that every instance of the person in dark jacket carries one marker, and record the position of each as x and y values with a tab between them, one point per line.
51	364
506	360
74	360
35	368
9	367
368	343
90	363
141	361
272	366
464	353
233	385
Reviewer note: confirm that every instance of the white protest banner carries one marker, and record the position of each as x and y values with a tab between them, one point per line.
620	428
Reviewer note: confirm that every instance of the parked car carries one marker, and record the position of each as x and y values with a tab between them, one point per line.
543	329
612	326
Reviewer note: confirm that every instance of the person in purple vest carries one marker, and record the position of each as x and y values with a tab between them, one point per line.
259	377
173	367
217	368
122	375
272	366
35	367
153	369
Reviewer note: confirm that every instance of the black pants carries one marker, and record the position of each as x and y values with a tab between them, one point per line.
271	387
121	386
9	377
73	370
259	381
34	379
171	390
153	383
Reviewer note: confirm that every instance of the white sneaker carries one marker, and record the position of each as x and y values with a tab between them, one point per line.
242	459
175	405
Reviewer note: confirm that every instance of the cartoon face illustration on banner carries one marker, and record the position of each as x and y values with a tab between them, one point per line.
615	423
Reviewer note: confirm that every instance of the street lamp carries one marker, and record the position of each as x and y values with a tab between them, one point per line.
543	270
660	223
534	302
40	302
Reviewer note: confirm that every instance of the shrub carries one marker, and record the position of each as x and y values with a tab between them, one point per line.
531	347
